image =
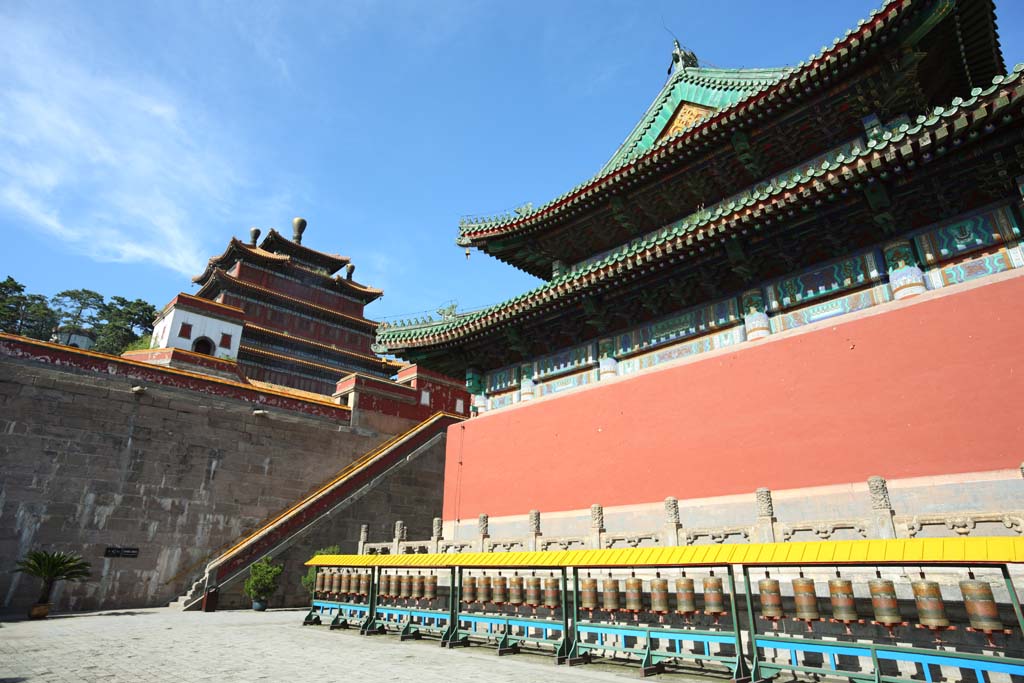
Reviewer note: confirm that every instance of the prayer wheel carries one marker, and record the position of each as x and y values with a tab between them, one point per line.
686	601
336	585
931	611
884	603
840	593
344	583
610	595
430	587
805	599
552	593
634	594
483	589
499	590
405	586
588	594
659	596
364	585
468	589
714	599
981	606
417	587
533	591
771	598
515	590
385	586
318	586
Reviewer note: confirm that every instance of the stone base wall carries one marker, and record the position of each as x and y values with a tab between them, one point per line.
410	492
89	464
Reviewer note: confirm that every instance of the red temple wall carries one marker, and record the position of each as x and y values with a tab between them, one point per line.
928	386
322	332
296	290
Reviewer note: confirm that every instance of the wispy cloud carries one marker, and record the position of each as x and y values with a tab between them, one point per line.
116	165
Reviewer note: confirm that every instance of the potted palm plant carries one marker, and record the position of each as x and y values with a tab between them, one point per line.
51	567
262	582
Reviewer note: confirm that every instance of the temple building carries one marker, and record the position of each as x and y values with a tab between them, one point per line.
749	202
272	312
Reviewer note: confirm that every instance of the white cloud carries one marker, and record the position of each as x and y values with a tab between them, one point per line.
116	165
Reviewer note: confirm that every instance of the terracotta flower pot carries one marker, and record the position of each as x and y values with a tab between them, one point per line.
40	610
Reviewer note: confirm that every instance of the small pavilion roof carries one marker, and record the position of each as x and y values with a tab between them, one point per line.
279	244
238	250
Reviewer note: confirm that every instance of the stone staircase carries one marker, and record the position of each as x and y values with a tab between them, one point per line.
279	532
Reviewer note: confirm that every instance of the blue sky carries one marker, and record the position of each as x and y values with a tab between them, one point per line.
136	138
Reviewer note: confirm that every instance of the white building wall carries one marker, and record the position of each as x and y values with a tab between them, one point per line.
168	331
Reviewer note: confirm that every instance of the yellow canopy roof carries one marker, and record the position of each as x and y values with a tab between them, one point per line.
982	550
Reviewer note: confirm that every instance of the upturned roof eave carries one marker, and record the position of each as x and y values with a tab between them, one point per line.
972	115
719	123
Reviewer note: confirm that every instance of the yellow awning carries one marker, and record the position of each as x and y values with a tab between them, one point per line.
981	550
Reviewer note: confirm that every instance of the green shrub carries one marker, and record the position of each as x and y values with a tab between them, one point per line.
263	579
53	567
309	579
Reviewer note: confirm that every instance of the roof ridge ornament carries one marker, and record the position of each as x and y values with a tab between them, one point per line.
682	58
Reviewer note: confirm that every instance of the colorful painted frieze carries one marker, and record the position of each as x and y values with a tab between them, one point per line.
502	400
824	281
964	235
971	269
563	383
693	322
681	350
842	305
500	380
562	361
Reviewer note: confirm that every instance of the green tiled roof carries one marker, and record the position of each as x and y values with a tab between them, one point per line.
928	136
715	88
742	94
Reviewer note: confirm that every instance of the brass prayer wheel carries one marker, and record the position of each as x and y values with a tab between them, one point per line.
417	587
634	594
343	583
405	586
483	589
499	590
805	599
468	589
610	594
515	590
686	601
533	591
840	593
659	596
771	598
981	606
884	603
334	583
364	584
588	593
552	592
318	586
430	587
385	586
931	611
714	599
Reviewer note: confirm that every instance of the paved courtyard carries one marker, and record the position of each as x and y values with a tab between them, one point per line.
169	645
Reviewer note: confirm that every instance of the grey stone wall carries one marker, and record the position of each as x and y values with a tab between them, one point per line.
86	463
411	492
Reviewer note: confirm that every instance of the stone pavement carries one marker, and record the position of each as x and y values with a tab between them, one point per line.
170	645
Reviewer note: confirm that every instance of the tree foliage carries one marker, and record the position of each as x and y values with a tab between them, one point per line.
52	567
309	578
263	579
116	324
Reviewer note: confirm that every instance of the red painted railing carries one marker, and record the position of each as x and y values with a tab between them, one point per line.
345	483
